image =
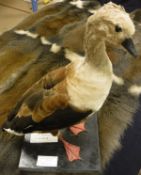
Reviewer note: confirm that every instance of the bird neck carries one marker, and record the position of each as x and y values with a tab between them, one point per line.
96	54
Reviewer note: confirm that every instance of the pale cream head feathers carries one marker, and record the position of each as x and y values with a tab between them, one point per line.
107	19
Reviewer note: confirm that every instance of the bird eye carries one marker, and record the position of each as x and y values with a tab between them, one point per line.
118	28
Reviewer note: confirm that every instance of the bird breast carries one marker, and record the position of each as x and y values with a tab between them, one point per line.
88	88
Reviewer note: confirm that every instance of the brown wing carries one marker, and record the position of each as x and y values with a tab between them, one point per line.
51	111
41	89
42	104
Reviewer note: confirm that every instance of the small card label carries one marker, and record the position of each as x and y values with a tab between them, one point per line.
47	161
43	138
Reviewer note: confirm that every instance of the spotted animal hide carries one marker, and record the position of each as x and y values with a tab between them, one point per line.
37	46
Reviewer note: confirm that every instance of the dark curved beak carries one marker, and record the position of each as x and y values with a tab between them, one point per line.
129	46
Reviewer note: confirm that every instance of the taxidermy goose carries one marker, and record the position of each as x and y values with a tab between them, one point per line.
69	94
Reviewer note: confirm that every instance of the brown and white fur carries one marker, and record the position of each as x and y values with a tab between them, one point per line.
9	155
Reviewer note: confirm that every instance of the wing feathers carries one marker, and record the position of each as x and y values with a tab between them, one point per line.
49	104
53	77
61	118
34	94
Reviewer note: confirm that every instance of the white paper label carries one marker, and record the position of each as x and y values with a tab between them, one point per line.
47	161
43	138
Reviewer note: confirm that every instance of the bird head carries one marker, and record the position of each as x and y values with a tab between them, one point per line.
113	24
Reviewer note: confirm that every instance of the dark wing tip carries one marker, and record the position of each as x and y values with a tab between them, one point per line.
18	125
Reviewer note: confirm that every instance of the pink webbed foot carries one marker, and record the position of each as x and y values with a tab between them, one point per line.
72	151
78	128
